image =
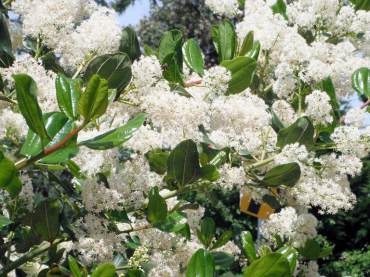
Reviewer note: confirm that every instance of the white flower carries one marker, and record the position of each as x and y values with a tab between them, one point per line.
146	71
228	8
232	177
356	117
284	112
349	140
217	79
12	124
318	107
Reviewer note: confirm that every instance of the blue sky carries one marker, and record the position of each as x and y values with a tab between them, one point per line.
135	12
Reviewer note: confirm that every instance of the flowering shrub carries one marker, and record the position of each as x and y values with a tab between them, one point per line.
102	146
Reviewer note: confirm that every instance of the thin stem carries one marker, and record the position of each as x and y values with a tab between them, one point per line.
261	163
367	103
28	257
4	98
192	83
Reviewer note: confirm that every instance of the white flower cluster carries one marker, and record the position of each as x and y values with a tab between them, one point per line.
227	8
73	28
319	107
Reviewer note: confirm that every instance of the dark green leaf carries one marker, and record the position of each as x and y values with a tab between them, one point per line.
328	86
242	70
157	207
58	126
301	131
4	221
223	261
104	270
172	72
183	163
201	264
117	136
272	201
276	123
210	172
311	250
283	175
94	101
248	246
174	223
247	44
171	45
271	265
361	4
193	56
6	54
158	160
129	43
361	81
44	221
9	180
223	239
68	95
27	101
74	268
225	39
115	68
207	231
280	8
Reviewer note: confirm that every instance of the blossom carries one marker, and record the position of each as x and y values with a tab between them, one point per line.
228	8
318	107
217	79
146	71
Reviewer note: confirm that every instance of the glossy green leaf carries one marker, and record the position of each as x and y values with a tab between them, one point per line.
247	44
172	72
279	8
58	126
129	43
68	95
207	231
4	221
201	264
361	81
114	68
286	174
223	261
183	163
117	136
361	4
193	56
157	207
210	173
45	220
73	267
248	246
242	71
104	270
328	86
301	131
291	255
255	51
171	46
9	180
276	123
158	160
271	265
94	101
311	250
225	39
6	54
223	239
175	223
26	91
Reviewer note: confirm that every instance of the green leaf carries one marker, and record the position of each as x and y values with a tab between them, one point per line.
74	268
223	239
117	136
172	72
157	207
271	265
114	68
183	163
248	246
129	43
207	231
279	8
361	4
104	270
276	123
201	264
311	250
210	173
286	174
171	45
290	254
361	81
58	126
158	160
6	52
242	71
301	131
9	180
68	95
44	220
247	44
328	86
223	261
255	51
4	221
193	56
175	223
225	39
26	91
94	101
